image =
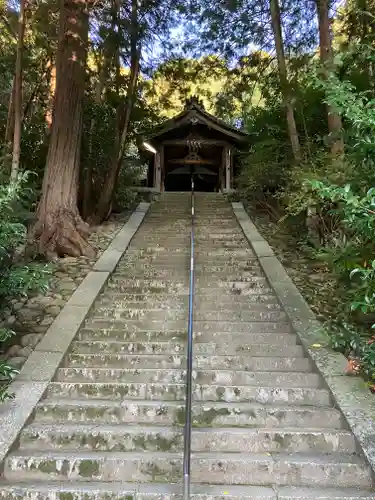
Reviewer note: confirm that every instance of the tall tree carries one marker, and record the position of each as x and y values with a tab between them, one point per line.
123	115
326	57
59	228
284	83
17	95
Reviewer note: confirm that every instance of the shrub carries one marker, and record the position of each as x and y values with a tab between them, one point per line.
17	277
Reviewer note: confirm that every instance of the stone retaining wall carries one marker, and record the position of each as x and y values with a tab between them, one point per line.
31	317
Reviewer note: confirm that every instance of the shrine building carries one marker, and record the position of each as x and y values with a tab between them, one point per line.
193	143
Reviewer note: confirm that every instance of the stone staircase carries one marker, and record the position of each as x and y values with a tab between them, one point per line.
111	423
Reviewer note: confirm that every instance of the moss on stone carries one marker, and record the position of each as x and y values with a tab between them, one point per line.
207	417
220	391
180	416
66	496
47	466
157	442
89	468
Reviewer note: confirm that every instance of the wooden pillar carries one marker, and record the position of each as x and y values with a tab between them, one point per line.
222	170
228	170
162	169
157	171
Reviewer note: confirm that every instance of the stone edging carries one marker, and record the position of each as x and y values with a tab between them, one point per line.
35	375
350	394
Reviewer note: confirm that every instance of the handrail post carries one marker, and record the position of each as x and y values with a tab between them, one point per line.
189	367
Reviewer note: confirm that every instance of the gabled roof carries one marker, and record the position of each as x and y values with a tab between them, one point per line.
194	114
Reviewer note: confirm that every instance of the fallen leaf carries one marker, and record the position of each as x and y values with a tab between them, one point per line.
353	367
316	345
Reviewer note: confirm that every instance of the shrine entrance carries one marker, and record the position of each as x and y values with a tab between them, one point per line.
179	179
193	143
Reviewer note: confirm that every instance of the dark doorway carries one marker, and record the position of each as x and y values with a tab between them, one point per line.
179	179
178	182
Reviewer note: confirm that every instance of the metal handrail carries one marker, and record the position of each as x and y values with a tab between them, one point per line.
189	367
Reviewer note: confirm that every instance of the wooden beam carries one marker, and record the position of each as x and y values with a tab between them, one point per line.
184	161
185	142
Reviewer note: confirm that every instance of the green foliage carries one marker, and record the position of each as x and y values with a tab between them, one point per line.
351	258
130	176
17	278
265	168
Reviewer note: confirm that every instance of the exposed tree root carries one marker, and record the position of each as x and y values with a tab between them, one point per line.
61	233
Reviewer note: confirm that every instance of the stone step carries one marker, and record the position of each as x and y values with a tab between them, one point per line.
135	338
167	226
177	287
217	271
117	391
294	396
148	285
128	375
180	241
173	413
120	438
74	490
201	377
166	467
200	236
183	271
181	302
225	300
165	278
235	282
245	252
234	327
234	343
207	362
148	264
119	313
172	347
164	251
221	292
183	242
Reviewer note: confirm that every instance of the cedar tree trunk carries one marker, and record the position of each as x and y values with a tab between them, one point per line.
51	94
59	229
285	88
334	119
9	131
18	95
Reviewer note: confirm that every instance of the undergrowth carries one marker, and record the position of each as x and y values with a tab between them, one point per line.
18	277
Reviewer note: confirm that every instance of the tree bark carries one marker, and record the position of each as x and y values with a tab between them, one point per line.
18	95
326	57
9	131
51	94
59	229
285	86
106	197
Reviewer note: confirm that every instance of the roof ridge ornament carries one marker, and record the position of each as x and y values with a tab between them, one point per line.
194	101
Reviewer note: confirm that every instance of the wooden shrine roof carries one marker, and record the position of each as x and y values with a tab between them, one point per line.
194	116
